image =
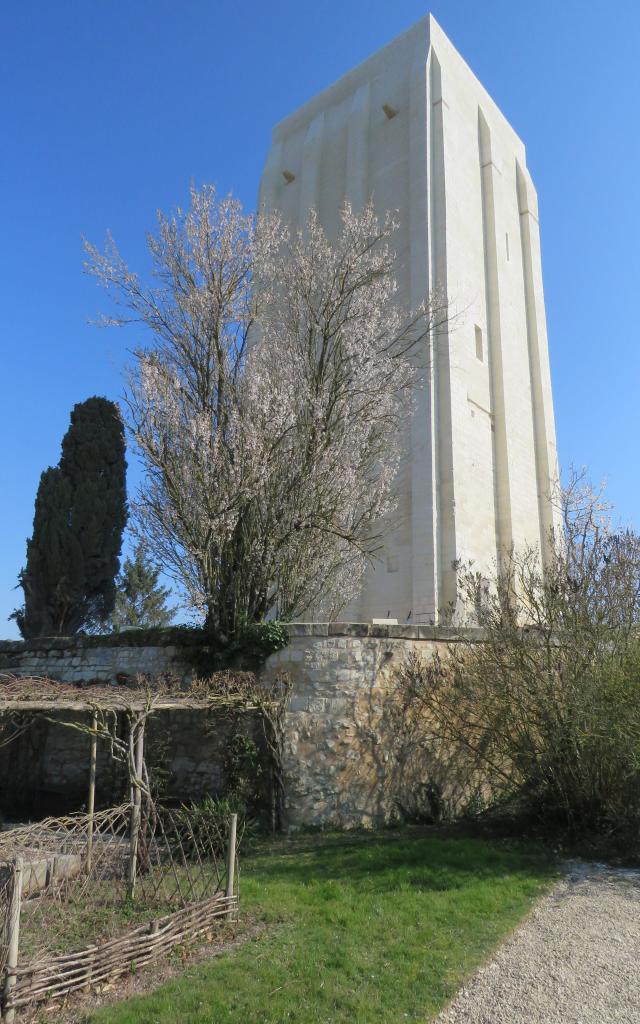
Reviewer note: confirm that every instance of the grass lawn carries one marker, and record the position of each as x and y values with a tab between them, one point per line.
363	929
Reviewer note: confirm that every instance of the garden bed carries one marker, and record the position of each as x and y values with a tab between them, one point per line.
86	897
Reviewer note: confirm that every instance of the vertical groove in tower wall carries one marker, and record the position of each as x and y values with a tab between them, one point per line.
544	471
446	553
504	533
310	171
357	135
423	433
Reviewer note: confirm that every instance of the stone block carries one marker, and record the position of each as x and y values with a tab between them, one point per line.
317	705
345	629
295	629
298	703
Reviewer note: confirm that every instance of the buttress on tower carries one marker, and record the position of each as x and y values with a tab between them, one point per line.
413	128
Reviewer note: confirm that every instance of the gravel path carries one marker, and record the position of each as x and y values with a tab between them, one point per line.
575	960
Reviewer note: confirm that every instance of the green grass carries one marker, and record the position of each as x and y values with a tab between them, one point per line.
375	928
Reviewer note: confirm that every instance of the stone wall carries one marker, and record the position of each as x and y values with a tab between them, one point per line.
106	659
353	755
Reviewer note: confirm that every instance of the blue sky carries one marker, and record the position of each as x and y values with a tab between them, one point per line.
111	108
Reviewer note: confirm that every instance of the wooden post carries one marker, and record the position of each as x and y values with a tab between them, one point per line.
13	936
231	854
136	804
91	801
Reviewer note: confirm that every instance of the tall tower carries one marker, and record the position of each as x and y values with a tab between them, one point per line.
413	128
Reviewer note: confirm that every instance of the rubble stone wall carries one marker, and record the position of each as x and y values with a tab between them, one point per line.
353	756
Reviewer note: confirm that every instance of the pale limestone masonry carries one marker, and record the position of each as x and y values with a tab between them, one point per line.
352	758
413	129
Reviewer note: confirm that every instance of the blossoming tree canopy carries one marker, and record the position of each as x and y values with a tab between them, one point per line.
268	403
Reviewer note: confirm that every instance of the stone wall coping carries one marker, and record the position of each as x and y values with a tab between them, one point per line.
180	636
171	637
451	634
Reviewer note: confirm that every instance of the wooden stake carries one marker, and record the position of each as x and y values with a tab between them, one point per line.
13	936
231	854
91	803
92	785
135	808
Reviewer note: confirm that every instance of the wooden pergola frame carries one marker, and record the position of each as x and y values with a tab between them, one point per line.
40	697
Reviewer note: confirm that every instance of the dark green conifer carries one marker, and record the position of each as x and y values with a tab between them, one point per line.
141	602
80	515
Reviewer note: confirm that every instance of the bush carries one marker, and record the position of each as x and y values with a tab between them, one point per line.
547	708
248	650
243	771
205	824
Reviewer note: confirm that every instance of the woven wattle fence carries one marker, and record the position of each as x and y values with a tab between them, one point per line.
89	897
60	975
77	870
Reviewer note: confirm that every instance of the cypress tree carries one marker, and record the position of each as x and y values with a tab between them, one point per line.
80	515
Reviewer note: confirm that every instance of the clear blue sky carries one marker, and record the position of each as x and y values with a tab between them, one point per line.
111	108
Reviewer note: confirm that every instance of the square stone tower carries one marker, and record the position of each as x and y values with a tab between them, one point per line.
413	128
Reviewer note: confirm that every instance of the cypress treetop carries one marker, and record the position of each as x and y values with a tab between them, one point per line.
80	515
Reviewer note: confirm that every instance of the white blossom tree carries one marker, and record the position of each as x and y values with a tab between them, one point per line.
269	406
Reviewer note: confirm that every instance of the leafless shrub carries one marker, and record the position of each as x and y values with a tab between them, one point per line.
547	704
